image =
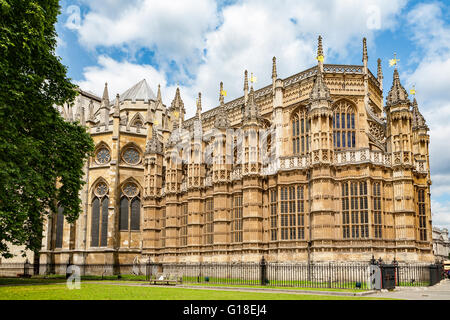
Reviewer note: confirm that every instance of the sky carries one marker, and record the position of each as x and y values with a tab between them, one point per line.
196	44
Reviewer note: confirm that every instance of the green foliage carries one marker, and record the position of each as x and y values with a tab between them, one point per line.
39	151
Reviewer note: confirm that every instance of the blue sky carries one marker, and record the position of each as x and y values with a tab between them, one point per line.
196	44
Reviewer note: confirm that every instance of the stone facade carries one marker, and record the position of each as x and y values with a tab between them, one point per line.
308	168
441	244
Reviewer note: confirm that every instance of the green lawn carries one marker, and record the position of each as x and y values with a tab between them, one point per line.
301	284
138	279
275	287
94	291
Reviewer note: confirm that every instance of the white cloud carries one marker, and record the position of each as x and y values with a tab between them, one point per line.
431	34
440	214
244	35
173	28
119	75
253	32
431	78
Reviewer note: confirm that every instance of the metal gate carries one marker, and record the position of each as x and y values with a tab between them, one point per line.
388	276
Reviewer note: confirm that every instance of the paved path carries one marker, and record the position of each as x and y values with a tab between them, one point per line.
441	291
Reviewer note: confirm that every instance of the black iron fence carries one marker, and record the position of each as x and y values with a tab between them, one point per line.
294	275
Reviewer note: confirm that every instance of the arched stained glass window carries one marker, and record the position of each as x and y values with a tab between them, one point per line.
99	216
130	208
59	227
355	221
131	156
422	215
103	155
344	126
300	132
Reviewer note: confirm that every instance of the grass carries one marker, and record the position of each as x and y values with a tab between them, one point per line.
274	287
94	291
301	284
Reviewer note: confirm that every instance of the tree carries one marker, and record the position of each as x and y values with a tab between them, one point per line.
38	149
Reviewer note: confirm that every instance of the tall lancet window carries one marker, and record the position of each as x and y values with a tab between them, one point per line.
422	215
59	227
208	226
344	127
130	208
99	217
355	221
236	222
300	132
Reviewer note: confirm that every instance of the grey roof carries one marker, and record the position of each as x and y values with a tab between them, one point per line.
140	91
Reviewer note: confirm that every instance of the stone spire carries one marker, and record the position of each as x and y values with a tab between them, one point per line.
149	116
116	107
91	111
197	128
221	97
198	114
274	73
251	109
158	97
105	97
365	56
154	145
397	94
274	68
82	116
320	53
320	90
177	102
105	106
245	87
380	74
221	121
418	121
319	47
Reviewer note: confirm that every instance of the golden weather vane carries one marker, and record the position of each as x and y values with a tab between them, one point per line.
393	62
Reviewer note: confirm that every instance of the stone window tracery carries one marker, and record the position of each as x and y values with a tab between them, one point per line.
273	215
422	215
103	155
131	156
130	208
292	213
344	126
208	227
236	223
183	224
300	133
377	211
355	218
59	227
99	215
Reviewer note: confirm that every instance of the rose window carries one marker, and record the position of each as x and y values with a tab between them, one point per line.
130	190
101	189
131	156
103	155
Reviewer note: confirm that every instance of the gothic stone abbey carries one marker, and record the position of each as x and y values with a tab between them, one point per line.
312	167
